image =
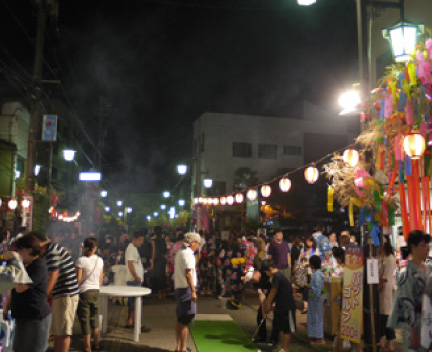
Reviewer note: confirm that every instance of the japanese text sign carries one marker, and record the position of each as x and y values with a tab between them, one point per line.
352	295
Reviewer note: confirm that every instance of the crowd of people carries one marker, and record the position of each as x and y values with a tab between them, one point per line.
288	275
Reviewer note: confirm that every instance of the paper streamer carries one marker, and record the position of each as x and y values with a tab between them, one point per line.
351	212
408	166
412	73
330	193
404	211
391	216
375	231
409	113
417	193
388	106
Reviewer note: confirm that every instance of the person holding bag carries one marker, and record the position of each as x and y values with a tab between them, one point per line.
89	269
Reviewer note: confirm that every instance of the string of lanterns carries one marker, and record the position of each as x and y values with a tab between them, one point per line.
414	146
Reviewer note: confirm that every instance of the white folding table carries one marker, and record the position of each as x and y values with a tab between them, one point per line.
123	291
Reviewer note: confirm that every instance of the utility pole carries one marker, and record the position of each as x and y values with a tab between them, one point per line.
34	124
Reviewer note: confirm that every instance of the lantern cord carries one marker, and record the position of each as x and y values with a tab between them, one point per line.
277	178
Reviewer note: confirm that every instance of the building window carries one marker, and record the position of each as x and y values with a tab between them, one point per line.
242	150
292	150
267	151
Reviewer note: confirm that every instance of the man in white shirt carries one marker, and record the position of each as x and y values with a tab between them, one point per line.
135	274
185	281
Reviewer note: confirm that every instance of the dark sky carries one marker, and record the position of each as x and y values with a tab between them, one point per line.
161	64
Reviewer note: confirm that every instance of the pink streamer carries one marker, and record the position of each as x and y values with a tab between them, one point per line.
409	115
427	70
429	48
398	154
388	106
423	128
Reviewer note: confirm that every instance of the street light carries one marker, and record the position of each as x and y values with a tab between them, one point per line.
163	206
155	214
120	214
403	38
181	169
181	202
148	217
349	101
129	210
208	182
103	194
306	2
119	203
107	209
68	154
166	194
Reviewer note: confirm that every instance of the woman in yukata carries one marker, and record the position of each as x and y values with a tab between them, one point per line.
406	313
315	322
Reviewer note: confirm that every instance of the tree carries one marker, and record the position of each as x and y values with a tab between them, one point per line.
244	177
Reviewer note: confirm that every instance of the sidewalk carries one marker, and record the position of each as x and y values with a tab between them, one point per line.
160	316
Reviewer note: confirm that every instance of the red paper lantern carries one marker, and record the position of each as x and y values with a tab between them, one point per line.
311	174
414	145
351	157
285	184
265	191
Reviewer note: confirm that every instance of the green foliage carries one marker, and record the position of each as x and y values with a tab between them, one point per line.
41	215
244	177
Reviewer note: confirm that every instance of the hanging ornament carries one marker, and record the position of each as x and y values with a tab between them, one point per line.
414	145
223	200
239	197
351	157
311	174
285	184
265	191
230	200
251	195
12	204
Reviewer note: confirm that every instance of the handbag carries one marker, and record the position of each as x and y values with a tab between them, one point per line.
300	276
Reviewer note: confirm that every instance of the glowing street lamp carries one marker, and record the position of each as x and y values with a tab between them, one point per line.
148	217
104	194
181	202
349	101
129	210
163	206
107	209
119	203
306	2
181	169
166	194
403	39
155	214
68	154
208	182
120	214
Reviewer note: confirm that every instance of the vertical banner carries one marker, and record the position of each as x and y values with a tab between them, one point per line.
49	128
352	295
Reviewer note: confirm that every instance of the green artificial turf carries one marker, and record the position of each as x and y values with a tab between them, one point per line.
220	336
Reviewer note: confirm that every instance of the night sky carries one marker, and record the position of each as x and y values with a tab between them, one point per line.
161	64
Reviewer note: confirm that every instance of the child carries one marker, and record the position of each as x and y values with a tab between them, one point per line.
285	308
316	306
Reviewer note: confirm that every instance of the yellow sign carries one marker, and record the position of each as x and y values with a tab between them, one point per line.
352	295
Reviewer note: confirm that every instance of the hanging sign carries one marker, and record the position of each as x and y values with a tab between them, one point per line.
352	294
49	128
372	271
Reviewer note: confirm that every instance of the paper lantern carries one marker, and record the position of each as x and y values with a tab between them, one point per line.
25	203
239	197
205	201
230	200
196	200
414	145
311	174
200	200
223	200
12	204
251	195
351	157
265	191
215	201
285	184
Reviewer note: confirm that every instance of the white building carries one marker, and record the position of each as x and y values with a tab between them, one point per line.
268	145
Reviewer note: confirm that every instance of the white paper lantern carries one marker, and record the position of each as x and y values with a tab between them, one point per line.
311	174
285	184
239	197
351	157
252	195
265	191
230	200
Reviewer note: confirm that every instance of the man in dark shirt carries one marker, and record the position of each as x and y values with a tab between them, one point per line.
279	252
281	294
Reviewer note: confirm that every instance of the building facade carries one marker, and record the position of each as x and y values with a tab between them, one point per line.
267	146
